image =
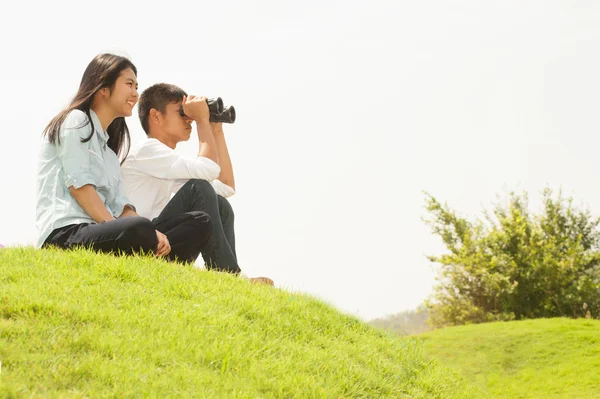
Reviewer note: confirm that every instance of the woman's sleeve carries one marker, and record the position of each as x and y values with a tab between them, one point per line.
72	153
117	206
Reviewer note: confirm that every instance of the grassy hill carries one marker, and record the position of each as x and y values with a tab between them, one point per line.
545	358
79	324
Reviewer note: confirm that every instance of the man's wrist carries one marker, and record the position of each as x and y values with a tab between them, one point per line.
203	124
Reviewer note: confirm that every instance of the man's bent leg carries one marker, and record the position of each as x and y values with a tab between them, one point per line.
199	195
227	220
187	234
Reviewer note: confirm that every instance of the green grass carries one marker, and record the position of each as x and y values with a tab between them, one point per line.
544	358
79	324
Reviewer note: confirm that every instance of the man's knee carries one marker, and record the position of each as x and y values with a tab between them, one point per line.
199	226
200	185
202	222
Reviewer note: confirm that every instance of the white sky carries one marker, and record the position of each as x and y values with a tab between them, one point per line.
347	111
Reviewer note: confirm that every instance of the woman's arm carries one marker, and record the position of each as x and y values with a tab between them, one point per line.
74	155
87	197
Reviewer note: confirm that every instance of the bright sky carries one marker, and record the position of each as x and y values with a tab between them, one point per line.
347	111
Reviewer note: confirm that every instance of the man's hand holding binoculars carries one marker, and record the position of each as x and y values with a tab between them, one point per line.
209	115
196	108
217	110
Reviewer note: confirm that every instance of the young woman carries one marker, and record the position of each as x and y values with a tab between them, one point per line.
80	198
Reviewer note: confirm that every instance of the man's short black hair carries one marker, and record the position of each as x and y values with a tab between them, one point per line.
157	96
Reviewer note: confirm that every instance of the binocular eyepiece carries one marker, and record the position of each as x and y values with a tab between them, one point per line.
218	112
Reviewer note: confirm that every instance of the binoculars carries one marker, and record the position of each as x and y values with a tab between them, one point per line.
218	112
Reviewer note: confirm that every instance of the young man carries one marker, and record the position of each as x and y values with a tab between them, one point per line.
162	183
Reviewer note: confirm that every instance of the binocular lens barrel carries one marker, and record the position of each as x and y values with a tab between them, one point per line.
215	105
227	116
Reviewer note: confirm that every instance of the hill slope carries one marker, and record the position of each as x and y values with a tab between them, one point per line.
79	324
545	358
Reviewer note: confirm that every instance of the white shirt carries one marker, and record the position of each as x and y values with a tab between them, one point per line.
153	173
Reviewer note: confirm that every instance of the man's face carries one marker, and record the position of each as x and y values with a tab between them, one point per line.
177	127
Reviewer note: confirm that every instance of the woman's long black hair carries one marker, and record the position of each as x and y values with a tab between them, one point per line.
103	71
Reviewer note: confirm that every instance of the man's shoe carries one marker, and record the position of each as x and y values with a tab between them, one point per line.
261	280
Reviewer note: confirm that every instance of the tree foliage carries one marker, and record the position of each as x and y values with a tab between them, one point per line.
515	265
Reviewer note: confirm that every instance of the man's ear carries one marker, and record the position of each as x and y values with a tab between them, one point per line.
154	116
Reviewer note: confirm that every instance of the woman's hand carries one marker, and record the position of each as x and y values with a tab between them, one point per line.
128	212
163	244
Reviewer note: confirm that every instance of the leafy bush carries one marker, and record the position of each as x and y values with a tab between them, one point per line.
514	264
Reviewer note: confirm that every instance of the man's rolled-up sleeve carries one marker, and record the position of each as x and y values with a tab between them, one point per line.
73	154
222	189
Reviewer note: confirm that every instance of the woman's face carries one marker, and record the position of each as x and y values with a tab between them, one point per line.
124	94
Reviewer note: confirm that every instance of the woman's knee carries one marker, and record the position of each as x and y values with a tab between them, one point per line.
141	232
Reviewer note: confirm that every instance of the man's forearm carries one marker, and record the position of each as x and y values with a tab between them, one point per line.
208	147
87	197
226	175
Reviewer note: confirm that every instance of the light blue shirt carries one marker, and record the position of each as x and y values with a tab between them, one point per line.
73	163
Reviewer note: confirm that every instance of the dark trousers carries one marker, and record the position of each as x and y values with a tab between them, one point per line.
195	221
218	251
